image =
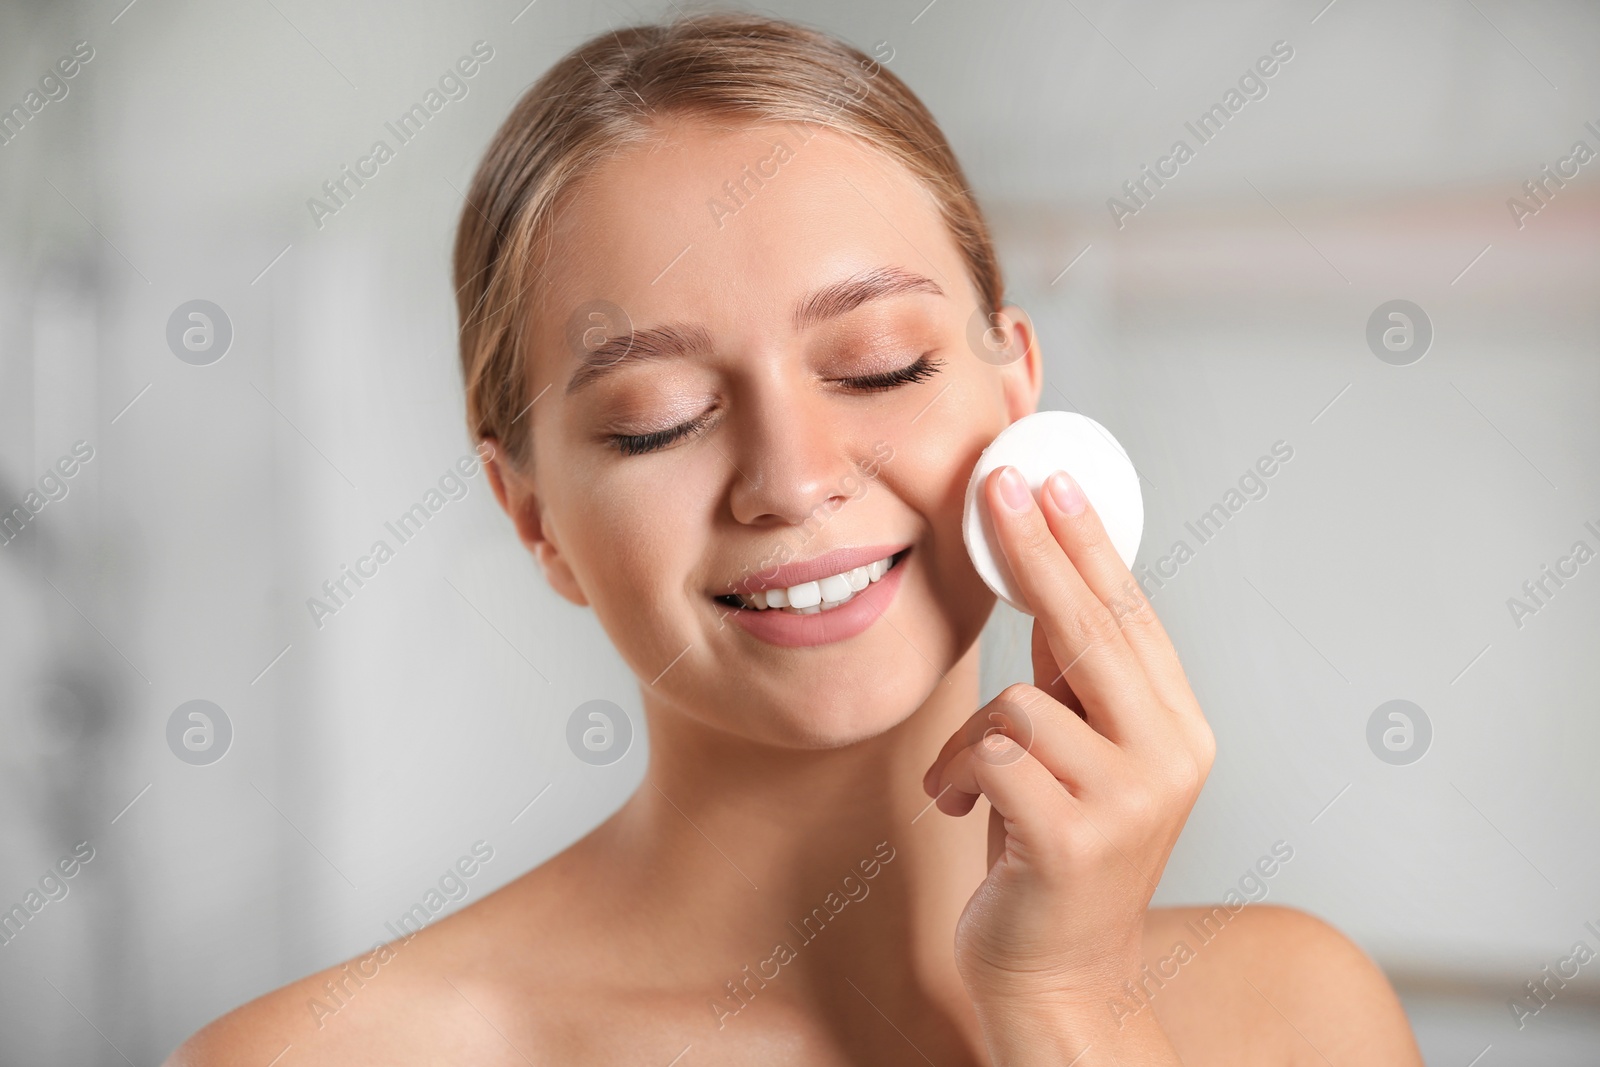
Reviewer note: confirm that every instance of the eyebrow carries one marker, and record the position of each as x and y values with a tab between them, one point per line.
658	342
847	295
679	339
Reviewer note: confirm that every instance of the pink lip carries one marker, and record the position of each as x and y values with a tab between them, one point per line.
835	562
788	630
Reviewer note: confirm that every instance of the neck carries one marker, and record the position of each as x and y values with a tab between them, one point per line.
837	854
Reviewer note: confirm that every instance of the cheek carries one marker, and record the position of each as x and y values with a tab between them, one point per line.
934	457
633	541
933	460
635	537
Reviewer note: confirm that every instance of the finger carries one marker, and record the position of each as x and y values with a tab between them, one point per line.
1057	736
1047	674
1030	799
1082	633
1081	534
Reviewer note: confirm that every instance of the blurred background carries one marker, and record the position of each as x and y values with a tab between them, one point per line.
222	468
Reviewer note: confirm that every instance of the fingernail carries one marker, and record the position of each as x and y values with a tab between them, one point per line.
927	781
1066	493
1014	490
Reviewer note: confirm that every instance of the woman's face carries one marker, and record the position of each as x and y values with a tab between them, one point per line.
720	403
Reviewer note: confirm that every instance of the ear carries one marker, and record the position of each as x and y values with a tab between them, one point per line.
518	498
1022	379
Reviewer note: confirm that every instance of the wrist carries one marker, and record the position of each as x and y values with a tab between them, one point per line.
1028	1038
1085	1025
1040	991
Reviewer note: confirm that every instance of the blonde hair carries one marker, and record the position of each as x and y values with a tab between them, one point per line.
614	91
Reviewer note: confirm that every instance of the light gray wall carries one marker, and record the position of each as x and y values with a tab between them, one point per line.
1226	315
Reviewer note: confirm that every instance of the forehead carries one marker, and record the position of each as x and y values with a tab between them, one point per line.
730	226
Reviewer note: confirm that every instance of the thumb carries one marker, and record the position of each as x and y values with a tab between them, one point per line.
997	836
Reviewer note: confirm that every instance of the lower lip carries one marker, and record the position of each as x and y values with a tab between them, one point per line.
788	630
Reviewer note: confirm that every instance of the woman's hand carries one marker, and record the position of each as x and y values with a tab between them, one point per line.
1090	773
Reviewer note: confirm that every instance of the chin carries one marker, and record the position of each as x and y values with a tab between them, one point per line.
820	729
846	708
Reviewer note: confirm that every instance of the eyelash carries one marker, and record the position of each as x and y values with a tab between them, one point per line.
920	371
635	444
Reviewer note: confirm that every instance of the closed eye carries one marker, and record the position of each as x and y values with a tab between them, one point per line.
923	368
634	444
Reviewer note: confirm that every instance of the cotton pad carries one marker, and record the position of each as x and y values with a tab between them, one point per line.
1038	445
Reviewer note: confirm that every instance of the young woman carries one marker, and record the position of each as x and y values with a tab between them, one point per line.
724	296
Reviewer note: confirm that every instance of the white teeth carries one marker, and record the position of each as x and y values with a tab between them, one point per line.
835	588
805	595
808	598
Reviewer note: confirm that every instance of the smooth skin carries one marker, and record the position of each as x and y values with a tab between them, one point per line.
982	874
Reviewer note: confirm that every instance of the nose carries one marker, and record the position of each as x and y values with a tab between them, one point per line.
796	458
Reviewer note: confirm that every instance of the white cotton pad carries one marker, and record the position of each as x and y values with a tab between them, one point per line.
1038	445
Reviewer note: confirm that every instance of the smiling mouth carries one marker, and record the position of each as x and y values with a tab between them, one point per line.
816	597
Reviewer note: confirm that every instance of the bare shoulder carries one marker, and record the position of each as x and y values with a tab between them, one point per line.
423	998
1266	984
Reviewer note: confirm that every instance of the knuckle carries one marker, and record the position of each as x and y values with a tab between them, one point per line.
1131	606
1141	803
1201	750
1207	754
1022	695
1036	539
1095	627
1184	773
1094	546
1186	776
1014	710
